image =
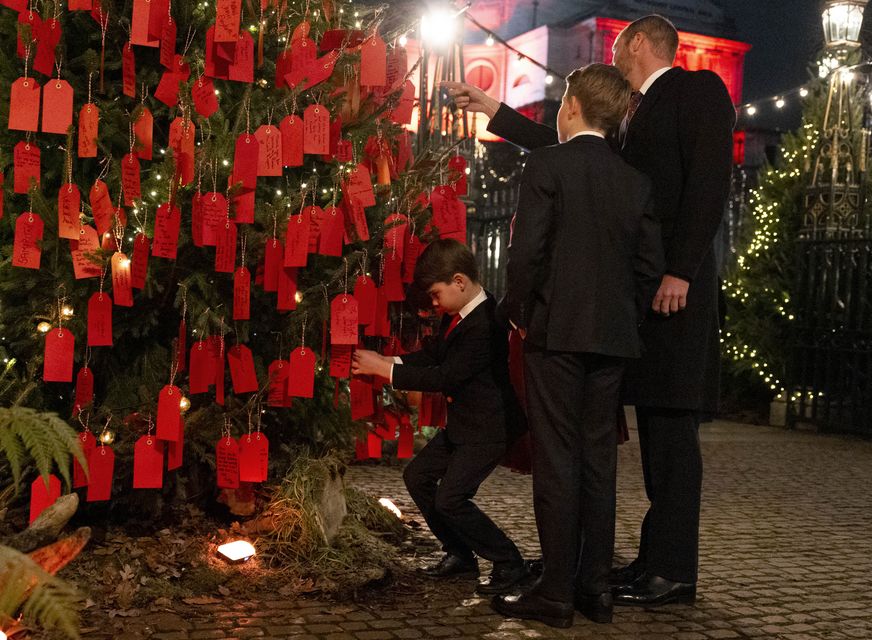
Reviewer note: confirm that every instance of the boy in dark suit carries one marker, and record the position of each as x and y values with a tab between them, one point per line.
584	255
468	362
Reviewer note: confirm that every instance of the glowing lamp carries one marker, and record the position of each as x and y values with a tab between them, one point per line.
842	21
390	506
439	27
236	552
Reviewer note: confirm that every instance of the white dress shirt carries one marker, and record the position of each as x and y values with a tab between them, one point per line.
586	133
651	79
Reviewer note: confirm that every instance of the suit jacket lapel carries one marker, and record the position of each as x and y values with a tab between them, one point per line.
652	96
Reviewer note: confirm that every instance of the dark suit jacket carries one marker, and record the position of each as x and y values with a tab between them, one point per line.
585	256
681	138
471	367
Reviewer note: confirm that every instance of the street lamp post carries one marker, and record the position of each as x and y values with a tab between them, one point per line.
842	21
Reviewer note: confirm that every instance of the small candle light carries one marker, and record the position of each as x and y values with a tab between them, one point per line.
43	327
107	436
184	404
67	311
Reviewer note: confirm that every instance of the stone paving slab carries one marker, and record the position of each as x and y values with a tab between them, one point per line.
786	554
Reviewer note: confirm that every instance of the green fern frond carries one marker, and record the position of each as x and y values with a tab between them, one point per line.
42	598
46	439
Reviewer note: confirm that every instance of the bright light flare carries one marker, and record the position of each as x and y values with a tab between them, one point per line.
237	551
390	506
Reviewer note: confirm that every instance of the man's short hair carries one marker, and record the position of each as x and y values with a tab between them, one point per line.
603	93
441	260
661	33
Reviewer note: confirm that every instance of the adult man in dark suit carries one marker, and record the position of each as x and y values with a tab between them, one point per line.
680	136
584	261
468	362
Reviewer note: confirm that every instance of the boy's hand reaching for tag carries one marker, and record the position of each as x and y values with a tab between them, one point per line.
370	363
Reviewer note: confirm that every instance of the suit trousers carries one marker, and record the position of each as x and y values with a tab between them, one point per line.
442	480
672	467
572	400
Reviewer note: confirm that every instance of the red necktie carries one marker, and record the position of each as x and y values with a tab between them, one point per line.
455	319
635	101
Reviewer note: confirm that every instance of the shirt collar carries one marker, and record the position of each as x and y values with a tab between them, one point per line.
587	133
651	79
472	304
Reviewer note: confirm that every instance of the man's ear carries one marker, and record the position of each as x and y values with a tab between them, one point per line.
575	105
637	41
459	279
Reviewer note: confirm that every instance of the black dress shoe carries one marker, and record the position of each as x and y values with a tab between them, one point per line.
452	565
596	607
626	575
653	591
531	606
502	578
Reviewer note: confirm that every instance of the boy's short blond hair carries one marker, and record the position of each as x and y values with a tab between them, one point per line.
603	92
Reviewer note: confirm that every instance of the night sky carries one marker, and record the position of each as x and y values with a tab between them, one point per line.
785	34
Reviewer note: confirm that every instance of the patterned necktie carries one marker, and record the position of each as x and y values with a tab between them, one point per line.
632	107
455	319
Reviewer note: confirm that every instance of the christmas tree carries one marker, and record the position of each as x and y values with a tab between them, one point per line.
207	206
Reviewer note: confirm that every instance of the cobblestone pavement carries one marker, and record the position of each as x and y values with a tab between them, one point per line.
786	553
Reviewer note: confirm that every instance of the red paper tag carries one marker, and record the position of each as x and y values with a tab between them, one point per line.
358	187
139	24
243	208
139	266
293	133
203	94
225	248
373	62
100	320
315	216
89	119
405	446
24	105
101	466
253	458
227	463
343	320
26	251
43	494
381	326
50	34
58	359
414	247
130	179
128	71
304	51
168	42
227	13
287	290
142	132
57	106
167	222
330	231
301	381
297	240
269	159
84	388
457	171
316	129
122	290
182	138
242	373
340	360
157	17
26	161
362	405
242	67
86	264
449	213
176	449
366	294
402	112
315	72
168	413
79	5
392	276
397	67
273	262
278	384
241	294
101	206
214	212
396	226
245	161
202	367
148	459
356	214
86	442
374	446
